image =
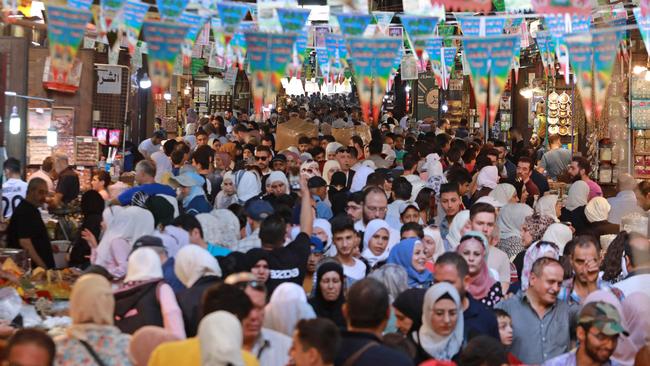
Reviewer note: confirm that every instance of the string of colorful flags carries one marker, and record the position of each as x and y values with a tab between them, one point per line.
367	44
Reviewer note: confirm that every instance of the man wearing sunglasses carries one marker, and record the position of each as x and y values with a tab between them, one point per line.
263	159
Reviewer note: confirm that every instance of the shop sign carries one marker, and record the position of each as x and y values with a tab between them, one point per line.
230	78
409	68
109	79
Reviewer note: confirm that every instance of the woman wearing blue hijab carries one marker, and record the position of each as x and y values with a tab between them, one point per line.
409	253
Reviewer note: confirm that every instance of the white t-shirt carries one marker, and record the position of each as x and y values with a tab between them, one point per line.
147	148
163	164
44	176
13	191
355	272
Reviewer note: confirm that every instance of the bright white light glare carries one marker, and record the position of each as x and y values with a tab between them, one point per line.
145	82
526	93
52	137
407	88
638	69
167	96
14	121
647	76
444	107
10	93
186	91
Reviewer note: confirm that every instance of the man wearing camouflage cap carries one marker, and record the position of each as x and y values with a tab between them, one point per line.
599	326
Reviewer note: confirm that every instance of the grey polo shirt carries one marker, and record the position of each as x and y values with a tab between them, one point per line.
536	340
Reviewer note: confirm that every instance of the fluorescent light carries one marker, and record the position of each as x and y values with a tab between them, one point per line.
167	96
638	69
14	121
526	93
10	93
52	137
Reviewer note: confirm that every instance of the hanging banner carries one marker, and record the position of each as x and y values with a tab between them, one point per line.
281	50
465	5
238	47
477	56
562	7
164	43
171	9
644	27
194	23
581	58
605	50
501	56
134	12
387	54
517	6
80	4
383	19
258	59
515	62
560	25
65	30
293	19
372	58
334	43
546	48
433	49
418	27
353	24
481	26
449	60
231	14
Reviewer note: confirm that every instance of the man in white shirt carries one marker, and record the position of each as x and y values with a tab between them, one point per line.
346	239
637	263
625	201
45	173
14	189
152	144
163	160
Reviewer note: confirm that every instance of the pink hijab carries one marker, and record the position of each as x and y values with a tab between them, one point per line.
482	282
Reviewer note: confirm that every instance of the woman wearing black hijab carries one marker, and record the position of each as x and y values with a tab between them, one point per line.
92	206
327	297
408	310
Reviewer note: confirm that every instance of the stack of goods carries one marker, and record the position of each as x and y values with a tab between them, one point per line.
559	114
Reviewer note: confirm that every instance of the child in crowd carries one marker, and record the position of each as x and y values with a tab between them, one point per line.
505	333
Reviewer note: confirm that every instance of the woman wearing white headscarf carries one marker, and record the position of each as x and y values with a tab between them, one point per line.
360	178
597	212
504	193
452	240
323	230
221	337
549	205
280	180
510	219
559	234
440	337
228	193
287	306
574	206
486	181
197	270
123	226
330	167
144	278
377	242
247	183
330	150
434	246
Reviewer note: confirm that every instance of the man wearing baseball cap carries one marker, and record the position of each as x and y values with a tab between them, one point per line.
599	326
256	210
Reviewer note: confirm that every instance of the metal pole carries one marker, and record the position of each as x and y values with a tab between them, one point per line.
3	87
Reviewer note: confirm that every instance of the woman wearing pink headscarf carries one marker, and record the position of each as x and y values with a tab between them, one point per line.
482	286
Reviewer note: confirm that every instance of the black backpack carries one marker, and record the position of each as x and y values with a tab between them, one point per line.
142	299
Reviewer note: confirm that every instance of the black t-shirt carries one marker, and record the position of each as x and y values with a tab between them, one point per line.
289	264
26	223
68	185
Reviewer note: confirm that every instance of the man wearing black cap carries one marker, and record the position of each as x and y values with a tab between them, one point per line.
256	211
279	163
318	189
156	244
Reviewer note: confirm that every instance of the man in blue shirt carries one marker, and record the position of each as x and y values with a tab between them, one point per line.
145	173
318	189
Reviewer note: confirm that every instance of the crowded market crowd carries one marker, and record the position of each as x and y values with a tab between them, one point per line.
411	248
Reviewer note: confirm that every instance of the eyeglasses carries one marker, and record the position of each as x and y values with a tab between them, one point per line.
254	284
262	158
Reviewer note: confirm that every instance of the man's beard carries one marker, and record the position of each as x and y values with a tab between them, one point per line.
593	354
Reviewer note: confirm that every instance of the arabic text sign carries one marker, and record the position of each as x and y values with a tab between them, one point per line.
109	79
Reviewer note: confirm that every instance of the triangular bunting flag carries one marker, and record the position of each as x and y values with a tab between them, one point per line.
65	30
353	24
501	56
605	49
171	9
387	50
449	59
293	19
164	43
231	14
419	26
581	58
477	56
644	27
134	12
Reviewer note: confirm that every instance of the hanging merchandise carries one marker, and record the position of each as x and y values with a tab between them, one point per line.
353	24
171	9
65	30
562	7
501	55
134	12
477	56
164	43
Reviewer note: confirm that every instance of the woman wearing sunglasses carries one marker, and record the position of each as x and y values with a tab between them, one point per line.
482	285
